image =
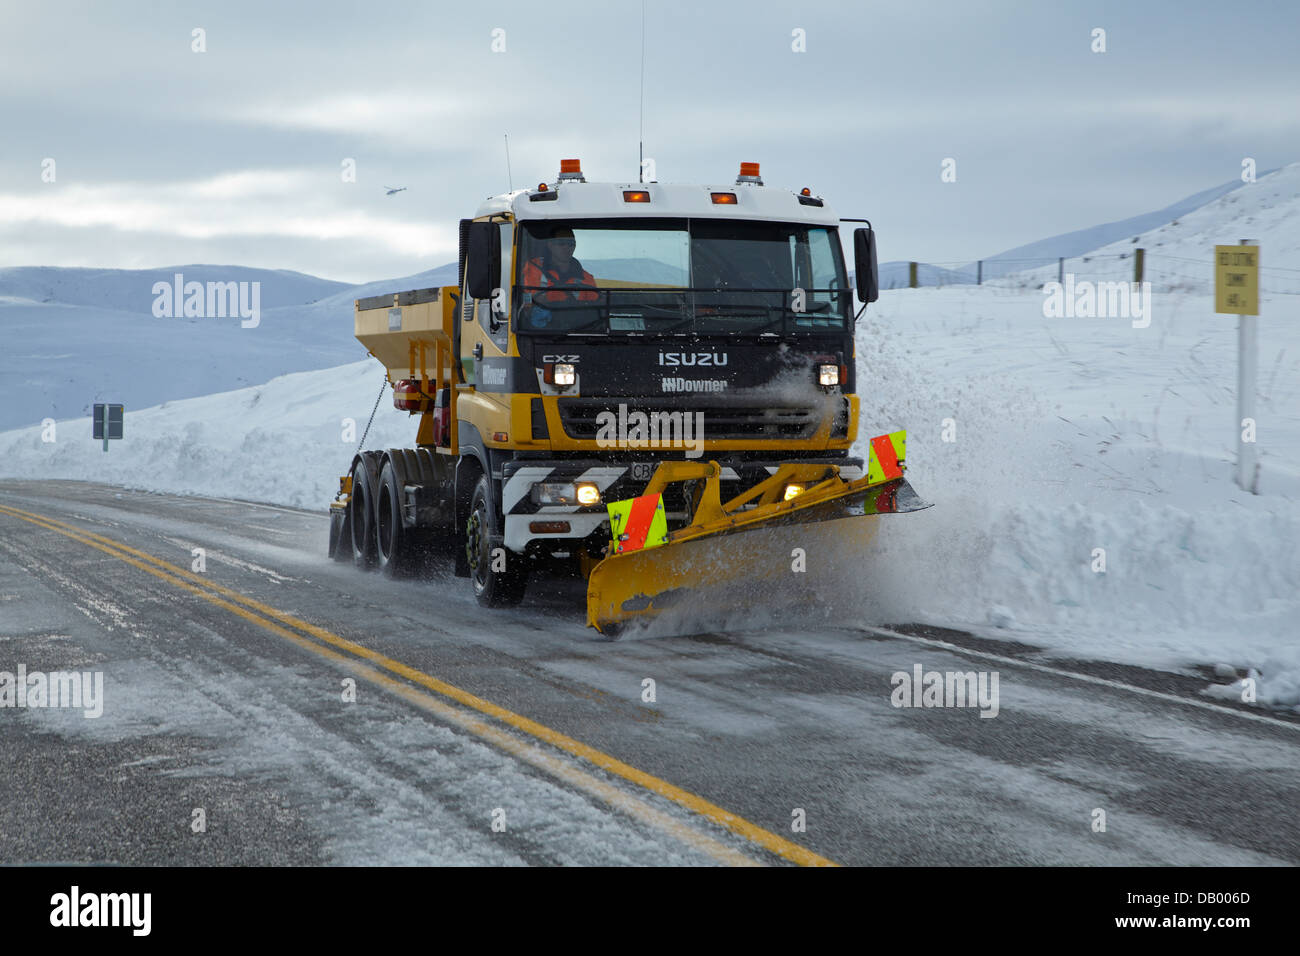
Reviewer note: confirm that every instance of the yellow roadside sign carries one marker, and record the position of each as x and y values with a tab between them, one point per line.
1236	279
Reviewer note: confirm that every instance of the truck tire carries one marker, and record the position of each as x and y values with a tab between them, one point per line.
361	516
395	545
492	588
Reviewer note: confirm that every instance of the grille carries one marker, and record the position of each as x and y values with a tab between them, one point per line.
581	418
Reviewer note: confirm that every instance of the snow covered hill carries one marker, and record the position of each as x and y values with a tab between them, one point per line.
130	290
1179	253
1044	253
1267	210
79	336
1078	434
1083	241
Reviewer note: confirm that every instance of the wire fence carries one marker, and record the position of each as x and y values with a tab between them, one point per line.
1165	273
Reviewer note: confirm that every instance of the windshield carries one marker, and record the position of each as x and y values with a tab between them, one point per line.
653	276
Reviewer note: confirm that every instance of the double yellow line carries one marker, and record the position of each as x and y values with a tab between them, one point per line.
415	686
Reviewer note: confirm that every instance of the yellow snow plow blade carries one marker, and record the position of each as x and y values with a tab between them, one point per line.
804	513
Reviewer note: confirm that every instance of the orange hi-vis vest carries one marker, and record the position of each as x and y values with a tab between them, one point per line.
536	274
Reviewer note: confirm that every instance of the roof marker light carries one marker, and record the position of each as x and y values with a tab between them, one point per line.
724	199
571	169
635	195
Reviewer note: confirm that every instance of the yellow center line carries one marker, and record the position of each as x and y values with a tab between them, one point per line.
201	586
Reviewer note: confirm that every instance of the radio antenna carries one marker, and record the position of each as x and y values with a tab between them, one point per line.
640	161
509	176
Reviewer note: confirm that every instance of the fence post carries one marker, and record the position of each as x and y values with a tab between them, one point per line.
1139	265
979	272
911	275
1060	270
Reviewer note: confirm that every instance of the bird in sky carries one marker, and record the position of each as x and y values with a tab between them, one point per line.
393	190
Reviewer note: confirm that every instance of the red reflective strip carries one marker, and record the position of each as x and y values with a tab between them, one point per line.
884	449
638	522
885	503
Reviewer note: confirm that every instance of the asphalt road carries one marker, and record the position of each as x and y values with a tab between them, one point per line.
519	737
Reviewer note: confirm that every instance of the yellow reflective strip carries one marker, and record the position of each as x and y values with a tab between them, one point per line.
658	526
618	514
899	440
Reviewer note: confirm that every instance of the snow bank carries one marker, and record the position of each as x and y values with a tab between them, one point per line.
1073	435
284	442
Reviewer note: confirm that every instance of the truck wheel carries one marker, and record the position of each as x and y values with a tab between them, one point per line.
361	516
493	588
395	545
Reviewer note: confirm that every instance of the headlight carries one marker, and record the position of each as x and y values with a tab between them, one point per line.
793	491
827	374
588	494
554	493
564	374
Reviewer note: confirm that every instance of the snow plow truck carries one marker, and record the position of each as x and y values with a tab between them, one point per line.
650	386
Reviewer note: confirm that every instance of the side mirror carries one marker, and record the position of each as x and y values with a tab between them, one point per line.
483	260
864	264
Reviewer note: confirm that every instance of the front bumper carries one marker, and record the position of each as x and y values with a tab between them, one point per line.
617	482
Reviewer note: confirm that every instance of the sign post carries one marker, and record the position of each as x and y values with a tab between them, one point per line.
1236	291
106	423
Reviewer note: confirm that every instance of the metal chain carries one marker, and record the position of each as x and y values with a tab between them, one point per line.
382	389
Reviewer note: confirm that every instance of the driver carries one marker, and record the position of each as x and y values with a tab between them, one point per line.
559	274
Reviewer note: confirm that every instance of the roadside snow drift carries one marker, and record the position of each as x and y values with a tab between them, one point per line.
284	442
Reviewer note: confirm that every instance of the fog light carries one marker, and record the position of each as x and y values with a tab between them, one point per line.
564	374
828	374
588	495
793	491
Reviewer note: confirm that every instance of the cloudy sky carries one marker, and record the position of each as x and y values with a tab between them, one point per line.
166	156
